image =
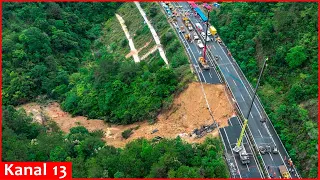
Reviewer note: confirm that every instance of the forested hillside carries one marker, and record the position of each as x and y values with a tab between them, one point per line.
60	53
90	157
43	43
57	51
287	34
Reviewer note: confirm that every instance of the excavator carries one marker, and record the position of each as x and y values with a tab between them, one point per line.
239	148
203	62
187	36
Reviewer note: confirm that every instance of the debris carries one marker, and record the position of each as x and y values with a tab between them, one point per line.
154	131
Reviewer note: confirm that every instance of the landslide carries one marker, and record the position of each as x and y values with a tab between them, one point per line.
188	112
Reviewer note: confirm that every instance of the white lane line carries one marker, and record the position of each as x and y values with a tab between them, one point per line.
248	167
225	147
227	69
257	110
232	153
270	156
260	133
210	74
230	122
251	115
234	82
242	98
187	45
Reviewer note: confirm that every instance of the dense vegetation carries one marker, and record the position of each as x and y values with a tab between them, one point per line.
287	34
43	43
90	157
58	52
120	91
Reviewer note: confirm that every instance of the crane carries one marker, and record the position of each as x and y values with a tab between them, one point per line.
239	148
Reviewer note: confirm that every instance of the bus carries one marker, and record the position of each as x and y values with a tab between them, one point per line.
200	13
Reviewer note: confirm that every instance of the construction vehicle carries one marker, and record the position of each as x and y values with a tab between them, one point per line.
244	156
218	40
212	30
182	29
187	36
203	63
284	172
185	20
239	148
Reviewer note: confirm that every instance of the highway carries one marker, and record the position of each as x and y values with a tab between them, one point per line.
263	133
207	76
229	136
212	77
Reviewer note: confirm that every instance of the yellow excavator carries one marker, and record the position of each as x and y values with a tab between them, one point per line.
187	36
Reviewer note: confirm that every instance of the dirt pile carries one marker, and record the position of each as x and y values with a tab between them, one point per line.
188	112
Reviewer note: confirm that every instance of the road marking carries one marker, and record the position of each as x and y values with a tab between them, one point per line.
260	133
181	37
234	82
246	89
251	115
225	147
230	122
270	156
248	167
210	74
227	69
257	110
242	98
232	153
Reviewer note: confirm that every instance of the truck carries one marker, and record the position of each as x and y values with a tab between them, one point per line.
203	63
244	156
212	30
284	172
182	29
187	36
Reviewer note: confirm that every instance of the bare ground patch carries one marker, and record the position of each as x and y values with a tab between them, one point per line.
188	111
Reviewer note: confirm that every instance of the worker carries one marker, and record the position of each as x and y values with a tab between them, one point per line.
229	54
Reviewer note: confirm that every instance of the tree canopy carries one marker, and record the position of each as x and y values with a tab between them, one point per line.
287	34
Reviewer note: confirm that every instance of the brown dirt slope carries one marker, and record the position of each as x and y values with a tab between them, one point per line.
189	111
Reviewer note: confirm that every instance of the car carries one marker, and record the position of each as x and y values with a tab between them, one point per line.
190	28
262	150
275	150
182	29
195	36
216	58
198	25
203	34
199	43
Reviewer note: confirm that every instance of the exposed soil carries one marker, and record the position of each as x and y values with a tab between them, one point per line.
189	111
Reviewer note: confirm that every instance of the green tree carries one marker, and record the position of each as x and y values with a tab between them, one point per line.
296	56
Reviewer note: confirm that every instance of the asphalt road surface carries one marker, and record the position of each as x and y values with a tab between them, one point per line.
206	76
229	136
211	76
263	133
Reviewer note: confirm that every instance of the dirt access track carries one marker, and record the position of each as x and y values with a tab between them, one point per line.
188	112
